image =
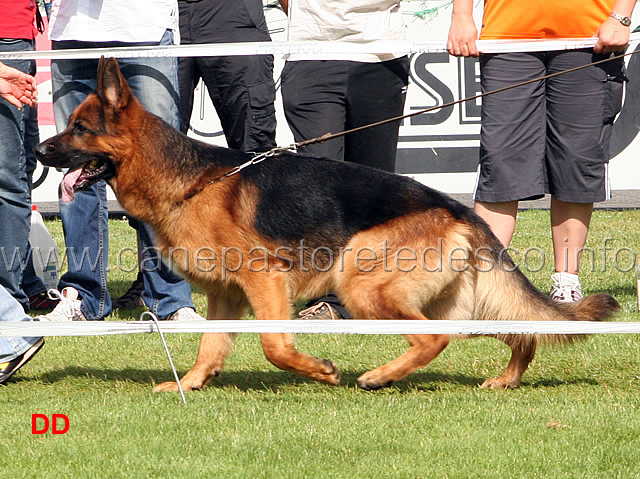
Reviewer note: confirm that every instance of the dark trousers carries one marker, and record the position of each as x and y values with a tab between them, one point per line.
241	87
322	96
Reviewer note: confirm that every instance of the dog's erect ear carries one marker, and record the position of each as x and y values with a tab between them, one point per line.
112	88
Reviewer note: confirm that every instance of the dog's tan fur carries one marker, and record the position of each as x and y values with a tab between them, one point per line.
192	207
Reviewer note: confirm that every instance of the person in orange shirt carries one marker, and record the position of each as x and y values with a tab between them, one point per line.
550	136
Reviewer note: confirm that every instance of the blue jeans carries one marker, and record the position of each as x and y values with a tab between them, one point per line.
85	219
11	310
31	283
15	190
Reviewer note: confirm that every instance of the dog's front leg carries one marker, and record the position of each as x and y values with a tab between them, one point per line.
214	347
268	296
280	350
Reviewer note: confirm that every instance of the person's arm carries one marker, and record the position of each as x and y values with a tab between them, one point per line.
612	35
285	6
462	32
17	87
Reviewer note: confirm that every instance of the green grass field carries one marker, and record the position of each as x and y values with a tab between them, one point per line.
577	413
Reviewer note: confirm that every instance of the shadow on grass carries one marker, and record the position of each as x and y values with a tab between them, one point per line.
619	291
435	381
274	380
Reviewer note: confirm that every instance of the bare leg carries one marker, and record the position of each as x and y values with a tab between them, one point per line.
501	218
569	228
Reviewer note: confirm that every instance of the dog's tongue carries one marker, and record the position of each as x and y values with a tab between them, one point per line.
66	187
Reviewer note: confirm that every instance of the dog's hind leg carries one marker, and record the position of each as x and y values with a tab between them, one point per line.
423	348
523	349
394	300
214	347
382	303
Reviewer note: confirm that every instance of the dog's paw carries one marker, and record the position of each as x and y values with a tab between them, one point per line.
369	382
167	387
500	383
172	387
328	373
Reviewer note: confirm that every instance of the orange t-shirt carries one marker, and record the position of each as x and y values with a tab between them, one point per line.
534	19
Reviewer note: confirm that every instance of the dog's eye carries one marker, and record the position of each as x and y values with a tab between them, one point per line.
79	127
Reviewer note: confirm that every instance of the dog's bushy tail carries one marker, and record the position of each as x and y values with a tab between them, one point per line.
597	307
503	292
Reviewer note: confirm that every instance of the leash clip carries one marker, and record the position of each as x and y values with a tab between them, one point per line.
260	157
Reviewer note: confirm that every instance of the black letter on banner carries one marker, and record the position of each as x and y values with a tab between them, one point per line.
429	83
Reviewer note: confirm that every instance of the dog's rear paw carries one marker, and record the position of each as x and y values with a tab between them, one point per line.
500	383
369	382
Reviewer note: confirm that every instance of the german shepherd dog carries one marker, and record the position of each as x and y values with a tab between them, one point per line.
293	227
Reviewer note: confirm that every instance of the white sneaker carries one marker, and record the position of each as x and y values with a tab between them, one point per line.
566	288
186	314
68	308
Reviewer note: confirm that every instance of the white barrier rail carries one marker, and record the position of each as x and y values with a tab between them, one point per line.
284	48
352	326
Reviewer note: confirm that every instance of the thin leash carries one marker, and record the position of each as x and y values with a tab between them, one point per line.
330	136
279	150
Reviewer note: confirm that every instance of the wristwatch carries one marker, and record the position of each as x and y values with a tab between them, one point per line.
626	21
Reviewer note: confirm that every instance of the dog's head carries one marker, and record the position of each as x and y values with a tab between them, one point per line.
95	138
